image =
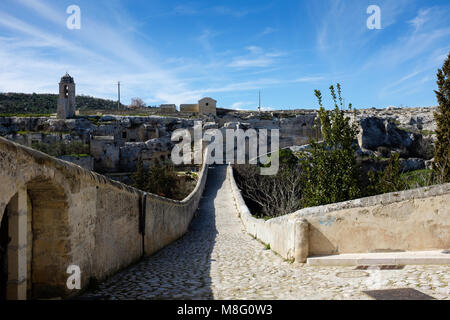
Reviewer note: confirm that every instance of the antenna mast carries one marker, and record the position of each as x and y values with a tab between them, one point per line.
259	104
118	92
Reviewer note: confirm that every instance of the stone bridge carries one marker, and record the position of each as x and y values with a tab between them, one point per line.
55	214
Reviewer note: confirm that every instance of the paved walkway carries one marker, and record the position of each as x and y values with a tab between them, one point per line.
217	259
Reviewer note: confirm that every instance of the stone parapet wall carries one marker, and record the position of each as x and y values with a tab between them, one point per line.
285	234
411	220
86	162
85	219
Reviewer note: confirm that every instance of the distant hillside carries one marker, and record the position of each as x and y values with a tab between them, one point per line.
46	103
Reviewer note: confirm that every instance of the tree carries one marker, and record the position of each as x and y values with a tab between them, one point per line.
272	196
162	180
441	167
140	177
331	169
389	180
137	103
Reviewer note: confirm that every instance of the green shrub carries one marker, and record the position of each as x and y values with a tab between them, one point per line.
389	180
162	180
417	178
331	170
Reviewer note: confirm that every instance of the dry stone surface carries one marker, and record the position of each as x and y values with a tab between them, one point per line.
216	259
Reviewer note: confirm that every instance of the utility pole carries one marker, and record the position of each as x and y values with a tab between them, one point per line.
259	104
118	100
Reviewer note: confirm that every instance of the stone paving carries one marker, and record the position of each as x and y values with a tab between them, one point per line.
217	259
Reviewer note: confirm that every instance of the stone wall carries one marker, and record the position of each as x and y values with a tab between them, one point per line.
207	106
86	162
285	234
167	220
81	218
189	108
106	152
411	220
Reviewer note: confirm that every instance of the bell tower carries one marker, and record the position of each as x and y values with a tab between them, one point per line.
66	100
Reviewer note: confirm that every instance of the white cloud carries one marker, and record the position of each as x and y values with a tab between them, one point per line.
266	31
45	11
230	12
183	9
254	49
256	57
247	63
420	19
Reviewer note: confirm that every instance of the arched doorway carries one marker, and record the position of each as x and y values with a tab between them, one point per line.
49	250
35	249
4	240
13	248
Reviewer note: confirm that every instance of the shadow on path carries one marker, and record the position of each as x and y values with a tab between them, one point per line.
182	269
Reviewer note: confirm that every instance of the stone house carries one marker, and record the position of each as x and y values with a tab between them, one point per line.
106	152
167	108
204	106
207	106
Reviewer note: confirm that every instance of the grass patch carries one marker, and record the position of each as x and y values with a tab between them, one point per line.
417	178
81	155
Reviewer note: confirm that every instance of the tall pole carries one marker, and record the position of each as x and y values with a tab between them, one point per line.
259	103
118	91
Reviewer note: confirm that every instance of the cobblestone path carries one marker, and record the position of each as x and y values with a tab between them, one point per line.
217	259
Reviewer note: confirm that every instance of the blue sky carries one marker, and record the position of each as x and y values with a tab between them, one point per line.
179	51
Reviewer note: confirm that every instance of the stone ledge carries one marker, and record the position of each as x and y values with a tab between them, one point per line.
381	199
389	258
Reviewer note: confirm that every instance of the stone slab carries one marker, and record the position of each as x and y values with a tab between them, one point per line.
388	258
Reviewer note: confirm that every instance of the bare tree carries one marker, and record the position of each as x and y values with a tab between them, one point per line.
137	103
274	195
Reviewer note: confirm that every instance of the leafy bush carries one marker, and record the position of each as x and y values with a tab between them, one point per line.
331	170
162	180
389	180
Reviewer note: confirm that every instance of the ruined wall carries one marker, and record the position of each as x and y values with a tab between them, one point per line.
189	108
411	220
106	152
83	218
